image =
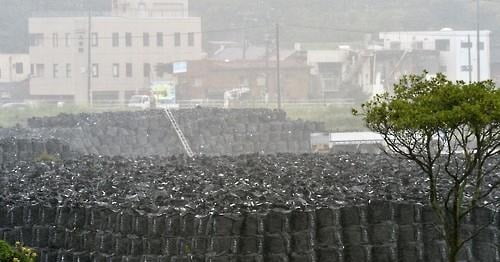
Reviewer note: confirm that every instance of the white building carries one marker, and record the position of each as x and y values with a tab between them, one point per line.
14	67
125	48
14	75
150	8
457	50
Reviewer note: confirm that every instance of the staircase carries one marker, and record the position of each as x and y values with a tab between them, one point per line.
181	136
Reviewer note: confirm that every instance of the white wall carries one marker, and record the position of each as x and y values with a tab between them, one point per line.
105	55
453	59
14	67
151	8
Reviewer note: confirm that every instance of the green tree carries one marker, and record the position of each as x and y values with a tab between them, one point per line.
451	130
18	253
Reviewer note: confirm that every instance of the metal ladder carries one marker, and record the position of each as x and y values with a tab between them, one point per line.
181	136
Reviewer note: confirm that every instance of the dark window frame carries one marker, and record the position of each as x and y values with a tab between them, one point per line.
115	39
128	39
159	39
129	72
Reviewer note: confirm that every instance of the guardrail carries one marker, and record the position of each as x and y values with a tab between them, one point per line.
114	105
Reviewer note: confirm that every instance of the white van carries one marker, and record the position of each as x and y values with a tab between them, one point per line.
139	101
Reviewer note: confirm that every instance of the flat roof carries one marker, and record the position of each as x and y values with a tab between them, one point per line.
355	136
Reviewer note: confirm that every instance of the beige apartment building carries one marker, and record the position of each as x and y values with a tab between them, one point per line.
125	48
14	67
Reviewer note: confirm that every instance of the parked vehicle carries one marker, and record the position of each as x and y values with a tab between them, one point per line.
140	102
162	95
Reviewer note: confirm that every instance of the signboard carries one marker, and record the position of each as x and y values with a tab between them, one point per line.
163	90
179	67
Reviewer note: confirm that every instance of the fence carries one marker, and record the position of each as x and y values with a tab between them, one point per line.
117	105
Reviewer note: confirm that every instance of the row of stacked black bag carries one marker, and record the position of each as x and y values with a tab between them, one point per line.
209	131
285	207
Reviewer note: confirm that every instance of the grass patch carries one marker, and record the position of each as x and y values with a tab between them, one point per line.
46	157
337	118
12	117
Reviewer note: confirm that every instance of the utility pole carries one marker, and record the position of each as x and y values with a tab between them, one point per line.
278	75
89	56
266	80
469	47
478	42
244	39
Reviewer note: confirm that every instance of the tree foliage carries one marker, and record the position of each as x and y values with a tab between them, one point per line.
452	131
17	253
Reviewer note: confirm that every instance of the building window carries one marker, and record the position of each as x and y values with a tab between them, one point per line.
128	70
55	40
466	44
442	44
159	39
95	39
55	70
466	68
116	70
128	39
177	39
67	39
38	70
169	9
68	70
80	44
329	83
395	45
481	45
19	68
105	97
116	40
191	39
36	39
145	39
418	45
147	70
95	70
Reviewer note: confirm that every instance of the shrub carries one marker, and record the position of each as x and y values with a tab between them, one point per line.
46	157
18	253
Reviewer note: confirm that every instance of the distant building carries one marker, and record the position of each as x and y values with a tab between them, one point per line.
14	67
150	8
125	48
365	68
210	78
14	75
329	68
457	50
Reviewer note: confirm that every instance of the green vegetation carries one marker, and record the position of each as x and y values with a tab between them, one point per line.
12	117
46	157
18	253
337	118
451	130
